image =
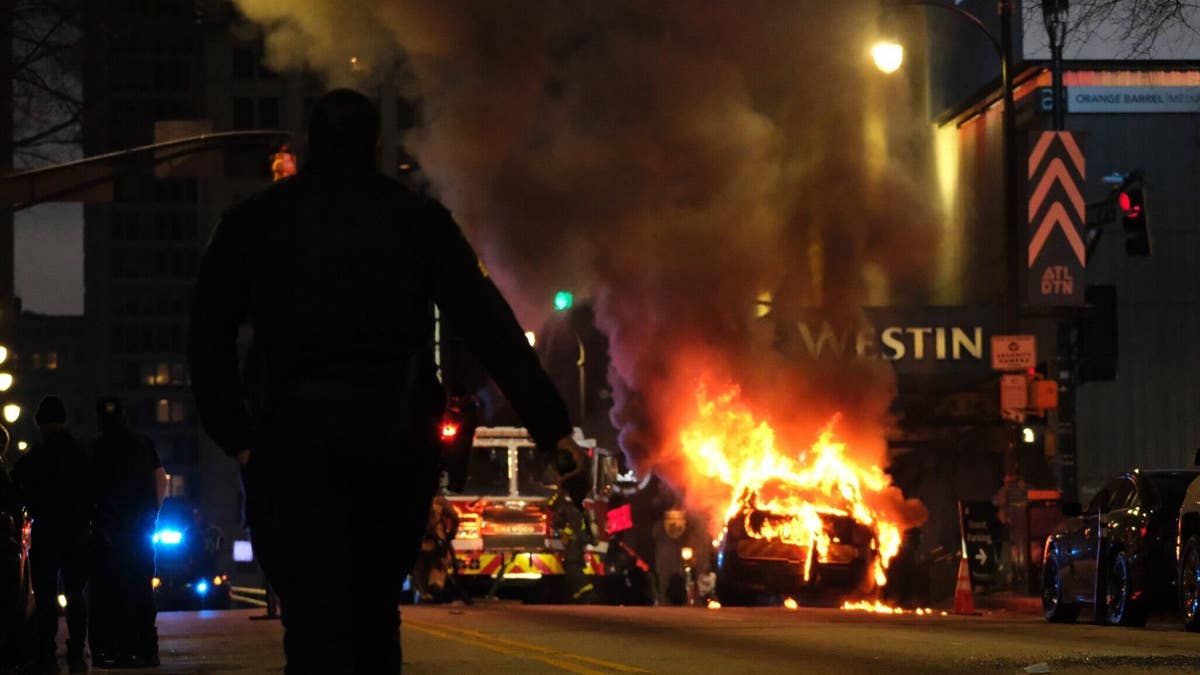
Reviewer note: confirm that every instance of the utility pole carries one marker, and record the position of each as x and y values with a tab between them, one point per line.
1054	14
1012	223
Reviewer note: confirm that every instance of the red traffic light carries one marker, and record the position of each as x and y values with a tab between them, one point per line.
1124	201
449	431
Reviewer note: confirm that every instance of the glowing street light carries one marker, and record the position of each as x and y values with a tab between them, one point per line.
564	300
22	446
888	56
532	337
3	354
6	381
12	413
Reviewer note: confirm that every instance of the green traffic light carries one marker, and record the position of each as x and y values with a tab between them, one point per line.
563	300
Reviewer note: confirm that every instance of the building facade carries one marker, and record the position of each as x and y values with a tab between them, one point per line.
155	71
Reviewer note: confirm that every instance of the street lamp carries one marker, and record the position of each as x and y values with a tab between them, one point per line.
12	413
6	381
1012	228
3	354
888	56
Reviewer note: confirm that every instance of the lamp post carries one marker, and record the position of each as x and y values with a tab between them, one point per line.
1003	47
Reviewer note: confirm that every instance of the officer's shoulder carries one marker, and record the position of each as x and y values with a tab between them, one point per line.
251	208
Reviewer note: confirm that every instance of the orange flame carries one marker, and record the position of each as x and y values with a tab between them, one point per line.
727	444
790	603
880	608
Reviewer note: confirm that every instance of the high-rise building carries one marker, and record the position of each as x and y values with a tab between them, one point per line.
174	66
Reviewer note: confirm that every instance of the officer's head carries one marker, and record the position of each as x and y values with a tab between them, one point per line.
344	130
109	412
51	413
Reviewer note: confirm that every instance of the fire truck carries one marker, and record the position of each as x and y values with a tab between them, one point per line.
515	528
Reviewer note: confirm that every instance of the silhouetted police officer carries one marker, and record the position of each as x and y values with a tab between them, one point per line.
128	487
52	479
334	420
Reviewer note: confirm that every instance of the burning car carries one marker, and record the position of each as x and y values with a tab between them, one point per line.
753	563
818	522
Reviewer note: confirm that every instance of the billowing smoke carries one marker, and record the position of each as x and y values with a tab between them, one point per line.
673	158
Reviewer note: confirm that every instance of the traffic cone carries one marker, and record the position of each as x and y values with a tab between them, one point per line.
964	599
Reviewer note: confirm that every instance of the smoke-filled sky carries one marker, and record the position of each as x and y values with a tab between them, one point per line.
673	160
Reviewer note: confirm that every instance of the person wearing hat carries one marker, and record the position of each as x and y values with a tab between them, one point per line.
52	479
128	485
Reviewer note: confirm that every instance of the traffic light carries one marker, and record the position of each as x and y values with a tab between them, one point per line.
564	300
1134	218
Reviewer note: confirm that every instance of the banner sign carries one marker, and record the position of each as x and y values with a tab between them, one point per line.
1133	99
1056	255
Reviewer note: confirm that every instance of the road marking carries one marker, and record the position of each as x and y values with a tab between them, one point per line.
514	647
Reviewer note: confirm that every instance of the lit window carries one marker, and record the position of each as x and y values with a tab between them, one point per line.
162	411
52	361
35	361
163	374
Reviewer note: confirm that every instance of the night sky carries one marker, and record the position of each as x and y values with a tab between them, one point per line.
48	246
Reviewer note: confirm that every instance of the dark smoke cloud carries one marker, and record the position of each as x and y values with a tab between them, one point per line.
673	159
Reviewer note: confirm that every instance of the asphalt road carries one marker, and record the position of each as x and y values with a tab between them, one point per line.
510	638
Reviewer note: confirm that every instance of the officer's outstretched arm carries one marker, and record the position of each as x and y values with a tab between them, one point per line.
477	310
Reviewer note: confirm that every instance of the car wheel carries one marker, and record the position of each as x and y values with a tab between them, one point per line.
1054	604
1119	607
1189	583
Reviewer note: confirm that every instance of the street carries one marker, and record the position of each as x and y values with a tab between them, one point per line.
514	638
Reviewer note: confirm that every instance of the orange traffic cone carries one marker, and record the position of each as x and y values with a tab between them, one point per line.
964	599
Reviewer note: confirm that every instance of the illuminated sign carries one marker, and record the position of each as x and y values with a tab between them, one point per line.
914	339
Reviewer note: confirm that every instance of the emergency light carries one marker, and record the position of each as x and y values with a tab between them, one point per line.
168	537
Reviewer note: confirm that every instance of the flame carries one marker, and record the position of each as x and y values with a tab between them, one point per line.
713	604
726	444
790	603
877	607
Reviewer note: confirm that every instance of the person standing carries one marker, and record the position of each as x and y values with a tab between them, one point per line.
128	487
52	479
337	270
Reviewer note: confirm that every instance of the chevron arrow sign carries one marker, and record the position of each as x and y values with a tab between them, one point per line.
1057	216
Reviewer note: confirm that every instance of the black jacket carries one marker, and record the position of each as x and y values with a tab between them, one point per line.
52	480
336	271
124	489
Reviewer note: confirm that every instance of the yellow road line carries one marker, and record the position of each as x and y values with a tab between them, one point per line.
545	650
527	646
564	665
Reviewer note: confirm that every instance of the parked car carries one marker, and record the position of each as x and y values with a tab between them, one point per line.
1118	554
1188	546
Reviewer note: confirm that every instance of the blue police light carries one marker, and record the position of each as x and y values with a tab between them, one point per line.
202	588
168	537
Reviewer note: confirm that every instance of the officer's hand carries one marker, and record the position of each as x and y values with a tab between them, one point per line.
243	457
578	456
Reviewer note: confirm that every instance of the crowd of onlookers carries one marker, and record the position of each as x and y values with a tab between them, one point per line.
93	507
